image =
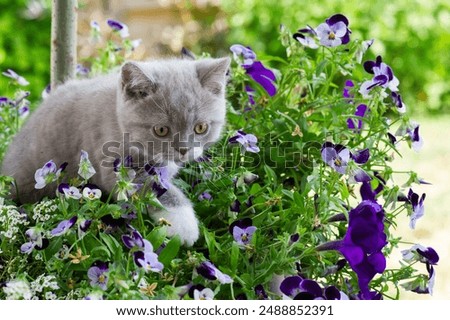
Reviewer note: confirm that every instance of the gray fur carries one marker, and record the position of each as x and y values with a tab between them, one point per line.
87	114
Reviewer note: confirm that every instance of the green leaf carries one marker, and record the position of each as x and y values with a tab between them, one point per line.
100	253
111	243
234	257
210	243
157	236
170	251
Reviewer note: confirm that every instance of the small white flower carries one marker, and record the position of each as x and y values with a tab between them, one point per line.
86	170
91	194
205	294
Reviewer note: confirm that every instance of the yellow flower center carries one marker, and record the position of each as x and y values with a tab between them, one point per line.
338	162
102	278
244	237
331	35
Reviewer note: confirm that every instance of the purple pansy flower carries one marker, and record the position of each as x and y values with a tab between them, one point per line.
118	26
148	261
260	292
297	288
205	196
346	93
265	77
203	294
135	240
242	231
210	272
416	139
334	31
47	174
161	178
13	75
247	54
307	37
338	157
86	169
235	206
98	276
383	77
4	101
85	224
418	209
69	192
64	226
37	241
247	141
397	99
356	124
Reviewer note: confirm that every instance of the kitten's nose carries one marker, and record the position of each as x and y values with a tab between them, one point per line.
183	151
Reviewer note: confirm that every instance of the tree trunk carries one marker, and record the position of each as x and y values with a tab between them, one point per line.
64	41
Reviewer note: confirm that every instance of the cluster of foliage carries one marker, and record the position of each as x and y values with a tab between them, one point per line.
297	201
415	37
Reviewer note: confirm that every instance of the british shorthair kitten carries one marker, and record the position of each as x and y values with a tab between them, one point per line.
164	112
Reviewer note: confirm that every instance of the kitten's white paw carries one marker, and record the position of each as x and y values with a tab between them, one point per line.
183	223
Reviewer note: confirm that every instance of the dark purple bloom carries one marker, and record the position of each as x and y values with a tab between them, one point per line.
64	226
294	238
210	272
118	26
242	231
262	75
4	101
250	93
298	288
307	37
260	292
356	124
133	240
361	156
383	77
85	224
422	254
98	276
392	138
246	52
235	206
160	175
248	141
397	99
334	31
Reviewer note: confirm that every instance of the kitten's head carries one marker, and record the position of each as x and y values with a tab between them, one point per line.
172	109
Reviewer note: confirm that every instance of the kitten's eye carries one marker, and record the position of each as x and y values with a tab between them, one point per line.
161	131
201	128
142	94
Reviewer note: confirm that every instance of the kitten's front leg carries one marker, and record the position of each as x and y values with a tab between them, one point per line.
180	214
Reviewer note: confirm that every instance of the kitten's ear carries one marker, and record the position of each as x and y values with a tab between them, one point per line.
187	54
212	74
135	83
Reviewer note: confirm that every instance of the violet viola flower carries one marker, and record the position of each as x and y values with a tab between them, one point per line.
418	210
235	206
383	77
86	169
69	192
119	27
334	31
260	292
265	77
247	141
247	53
397	99
297	288
338	157
85	224
356	124
205	196
47	174
4	101
64	226
203	294
98	276
37	241
307	37
210	272
242	231
160	177
349	85
13	75
416	139
145	257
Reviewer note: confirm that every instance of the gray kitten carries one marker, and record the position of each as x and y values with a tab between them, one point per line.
163	112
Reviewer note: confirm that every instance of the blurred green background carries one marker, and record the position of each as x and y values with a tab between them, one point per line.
412	35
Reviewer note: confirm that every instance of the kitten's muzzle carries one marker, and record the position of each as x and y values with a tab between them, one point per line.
182	151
